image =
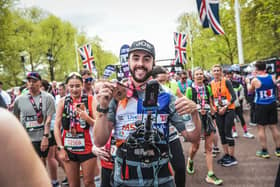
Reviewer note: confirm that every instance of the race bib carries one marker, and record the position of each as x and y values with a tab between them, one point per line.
75	143
223	101
31	123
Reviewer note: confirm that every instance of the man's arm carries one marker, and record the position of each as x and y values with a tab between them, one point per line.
231	91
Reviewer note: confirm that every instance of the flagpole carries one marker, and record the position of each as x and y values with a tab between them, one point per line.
190	35
76	53
238	31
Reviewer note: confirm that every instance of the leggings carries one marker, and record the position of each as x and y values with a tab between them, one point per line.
178	162
239	113
225	123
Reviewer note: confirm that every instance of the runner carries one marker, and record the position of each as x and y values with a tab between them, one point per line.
183	84
239	92
266	108
35	110
201	94
146	166
223	103
87	82
177	159
76	114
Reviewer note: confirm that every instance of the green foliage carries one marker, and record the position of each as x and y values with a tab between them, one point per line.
260	20
28	35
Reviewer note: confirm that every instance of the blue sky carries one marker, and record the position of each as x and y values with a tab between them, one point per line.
119	22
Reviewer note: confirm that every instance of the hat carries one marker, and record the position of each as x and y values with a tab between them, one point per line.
33	75
142	45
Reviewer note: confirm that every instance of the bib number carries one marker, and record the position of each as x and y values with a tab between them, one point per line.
75	143
31	123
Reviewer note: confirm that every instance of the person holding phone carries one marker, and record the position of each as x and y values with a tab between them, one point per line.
76	113
123	117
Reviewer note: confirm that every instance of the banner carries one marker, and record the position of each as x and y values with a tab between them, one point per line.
108	71
180	42
86	54
124	60
209	15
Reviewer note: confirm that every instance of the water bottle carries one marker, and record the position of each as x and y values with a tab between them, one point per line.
189	124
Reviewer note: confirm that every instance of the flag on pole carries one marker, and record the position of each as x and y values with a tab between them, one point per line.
209	15
124	59
180	42
86	54
109	69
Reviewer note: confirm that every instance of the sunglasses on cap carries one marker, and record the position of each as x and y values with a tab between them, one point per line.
88	80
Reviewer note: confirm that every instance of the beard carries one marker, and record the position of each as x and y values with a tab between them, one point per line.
148	74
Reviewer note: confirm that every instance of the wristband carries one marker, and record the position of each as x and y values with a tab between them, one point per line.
46	135
101	110
59	148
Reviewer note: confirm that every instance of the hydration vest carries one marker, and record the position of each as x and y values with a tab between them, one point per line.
86	99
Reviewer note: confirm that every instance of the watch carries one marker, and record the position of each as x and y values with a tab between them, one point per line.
59	148
46	135
98	109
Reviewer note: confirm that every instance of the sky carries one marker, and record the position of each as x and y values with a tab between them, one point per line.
119	22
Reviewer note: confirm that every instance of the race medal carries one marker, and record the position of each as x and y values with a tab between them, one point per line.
119	93
40	118
73	131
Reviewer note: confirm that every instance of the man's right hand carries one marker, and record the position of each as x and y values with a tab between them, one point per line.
101	152
105	94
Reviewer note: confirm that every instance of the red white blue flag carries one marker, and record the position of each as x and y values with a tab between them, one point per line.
86	54
209	15
180	42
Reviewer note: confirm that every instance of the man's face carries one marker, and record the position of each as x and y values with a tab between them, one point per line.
162	78
198	76
54	84
216	71
140	65
87	81
61	91
183	78
33	85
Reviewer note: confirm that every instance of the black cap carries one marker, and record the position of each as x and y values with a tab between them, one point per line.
142	45
33	75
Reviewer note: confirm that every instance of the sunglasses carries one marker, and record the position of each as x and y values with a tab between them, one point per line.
88	80
184	78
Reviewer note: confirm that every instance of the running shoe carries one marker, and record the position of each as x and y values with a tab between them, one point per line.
65	181
252	124
56	184
190	168
231	161
262	154
277	152
213	179
234	134
248	135
216	150
223	159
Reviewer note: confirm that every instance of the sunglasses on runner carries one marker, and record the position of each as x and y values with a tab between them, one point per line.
88	80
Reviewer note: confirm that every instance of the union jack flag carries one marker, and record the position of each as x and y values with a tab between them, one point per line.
86	54
180	42
209	15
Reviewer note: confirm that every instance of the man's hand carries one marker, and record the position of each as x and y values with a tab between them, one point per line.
102	153
185	106
44	144
105	94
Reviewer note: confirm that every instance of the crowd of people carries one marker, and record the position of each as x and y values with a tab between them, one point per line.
81	121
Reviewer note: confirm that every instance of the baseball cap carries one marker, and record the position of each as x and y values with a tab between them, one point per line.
142	45
33	75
